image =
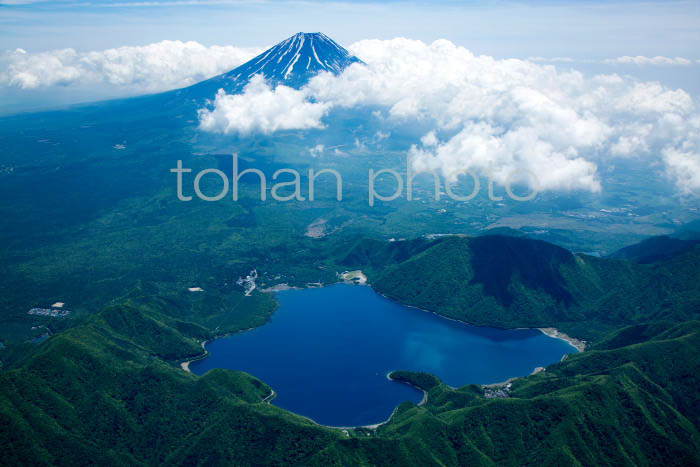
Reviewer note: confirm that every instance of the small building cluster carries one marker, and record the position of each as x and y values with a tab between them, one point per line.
52	312
353	277
497	392
248	283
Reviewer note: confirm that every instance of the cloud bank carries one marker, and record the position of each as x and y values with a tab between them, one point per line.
495	117
154	67
639	60
642	60
492	116
261	109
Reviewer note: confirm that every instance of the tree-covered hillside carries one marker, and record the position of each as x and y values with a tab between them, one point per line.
512	282
97	394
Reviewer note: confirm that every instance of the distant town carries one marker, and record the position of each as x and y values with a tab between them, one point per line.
56	311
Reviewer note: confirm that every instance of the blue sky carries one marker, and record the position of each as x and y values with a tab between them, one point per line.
579	29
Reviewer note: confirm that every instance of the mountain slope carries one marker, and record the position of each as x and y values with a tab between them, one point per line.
108	392
97	395
514	282
655	249
292	62
92	395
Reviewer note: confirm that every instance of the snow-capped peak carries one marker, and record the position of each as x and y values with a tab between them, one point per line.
292	62
298	58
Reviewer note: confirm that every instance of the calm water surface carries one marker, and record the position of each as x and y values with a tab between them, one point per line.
326	353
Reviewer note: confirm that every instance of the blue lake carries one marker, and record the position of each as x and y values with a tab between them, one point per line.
327	351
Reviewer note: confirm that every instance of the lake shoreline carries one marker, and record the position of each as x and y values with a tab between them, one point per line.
551	332
185	365
554	333
374	426
425	393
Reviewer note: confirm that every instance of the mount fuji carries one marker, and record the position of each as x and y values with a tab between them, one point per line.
292	62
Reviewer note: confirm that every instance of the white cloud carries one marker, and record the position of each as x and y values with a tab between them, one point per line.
624	60
500	117
154	67
429	139
683	159
317	150
642	60
684	167
380	136
518	113
261	109
518	155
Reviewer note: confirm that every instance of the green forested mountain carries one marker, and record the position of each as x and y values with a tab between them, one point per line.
95	394
109	390
513	282
655	249
99	394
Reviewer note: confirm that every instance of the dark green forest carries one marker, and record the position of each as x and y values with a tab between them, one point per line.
109	390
